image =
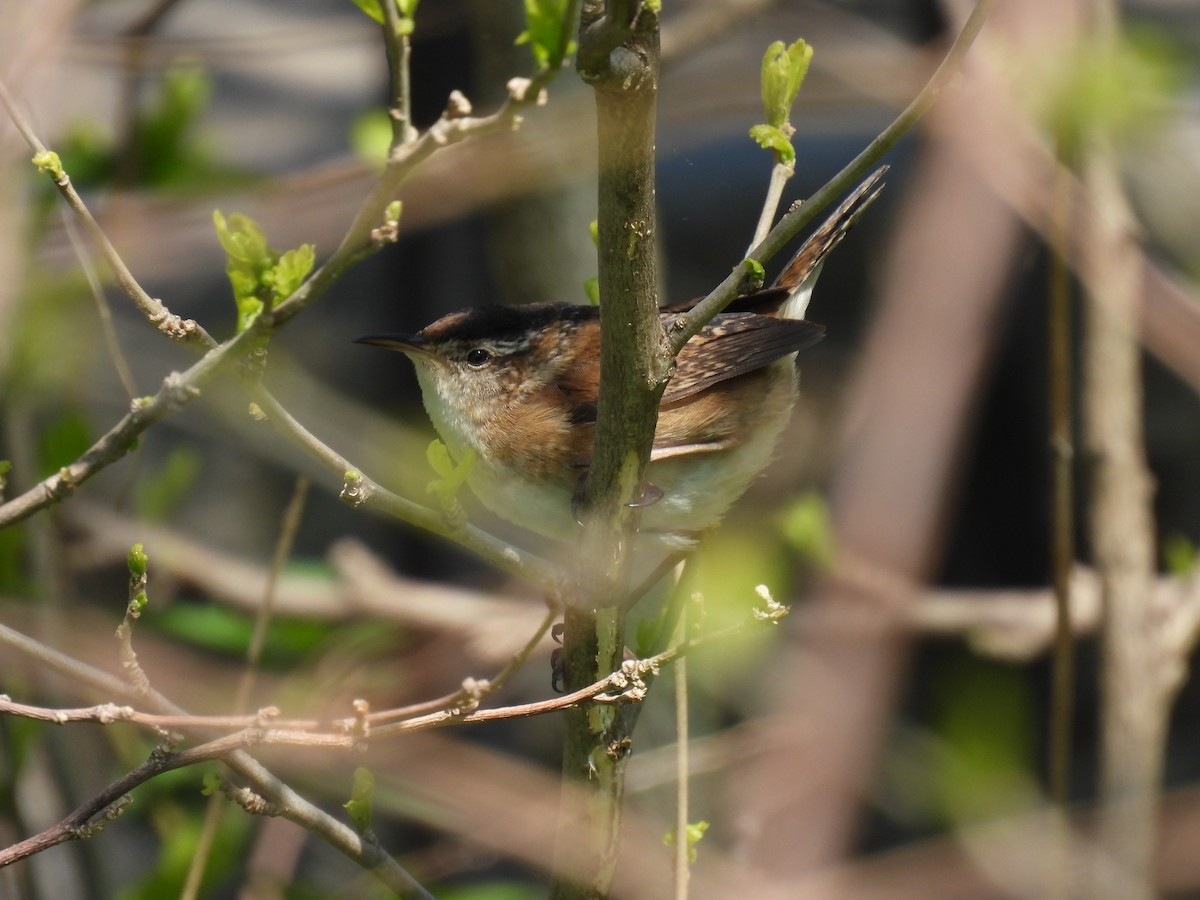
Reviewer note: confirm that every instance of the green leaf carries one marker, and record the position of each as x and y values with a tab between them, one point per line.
544	24
406	9
771	138
591	288
783	71
293	267
242	239
361	801
259	275
371	8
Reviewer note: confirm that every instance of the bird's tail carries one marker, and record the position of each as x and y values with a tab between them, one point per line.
800	274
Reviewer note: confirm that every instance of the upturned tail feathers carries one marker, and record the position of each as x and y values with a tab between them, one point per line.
800	274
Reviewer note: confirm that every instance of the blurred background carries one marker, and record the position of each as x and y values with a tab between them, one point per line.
864	748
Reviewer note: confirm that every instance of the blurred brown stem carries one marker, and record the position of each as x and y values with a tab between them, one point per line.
1138	677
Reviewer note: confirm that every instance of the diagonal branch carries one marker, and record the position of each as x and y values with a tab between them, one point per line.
804	212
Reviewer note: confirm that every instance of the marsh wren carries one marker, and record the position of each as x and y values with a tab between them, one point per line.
518	386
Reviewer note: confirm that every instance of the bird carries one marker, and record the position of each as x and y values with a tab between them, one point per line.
516	388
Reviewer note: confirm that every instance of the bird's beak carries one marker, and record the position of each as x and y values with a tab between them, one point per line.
405	343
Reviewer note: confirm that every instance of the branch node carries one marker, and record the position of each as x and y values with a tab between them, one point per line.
107	713
457	106
355	490
518	89
178	390
252	802
360	728
100	821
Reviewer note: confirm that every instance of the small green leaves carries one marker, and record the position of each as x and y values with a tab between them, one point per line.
260	276
755	272
693	833
360	806
5	468
783	71
211	784
771	138
591	288
406	8
48	163
545	21
451	475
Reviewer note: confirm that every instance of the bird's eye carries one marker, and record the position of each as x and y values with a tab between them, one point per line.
478	357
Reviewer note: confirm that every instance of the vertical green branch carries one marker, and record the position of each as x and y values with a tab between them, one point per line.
618	57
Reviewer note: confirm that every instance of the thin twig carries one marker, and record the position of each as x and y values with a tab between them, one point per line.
155	311
359	490
781	172
366	852
103	310
359	242
398	48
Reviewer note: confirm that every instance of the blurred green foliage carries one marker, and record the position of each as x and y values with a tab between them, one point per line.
694	834
984	718
807	529
178	829
371	136
491	890
166	150
1179	555
157	494
226	631
1116	90
63	440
